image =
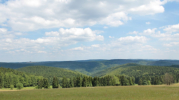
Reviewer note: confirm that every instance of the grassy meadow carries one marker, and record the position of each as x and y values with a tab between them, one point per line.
160	92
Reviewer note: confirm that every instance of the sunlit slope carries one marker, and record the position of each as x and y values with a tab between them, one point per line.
50	72
137	70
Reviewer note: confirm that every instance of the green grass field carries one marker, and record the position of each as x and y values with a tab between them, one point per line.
161	92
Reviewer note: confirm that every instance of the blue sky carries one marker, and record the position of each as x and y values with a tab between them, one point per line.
61	30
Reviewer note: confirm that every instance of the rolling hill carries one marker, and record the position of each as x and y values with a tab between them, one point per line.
137	70
50	72
90	67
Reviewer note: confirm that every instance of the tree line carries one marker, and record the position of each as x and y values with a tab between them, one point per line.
87	81
11	78
167	78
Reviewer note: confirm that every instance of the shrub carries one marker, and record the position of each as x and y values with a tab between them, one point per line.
12	87
19	86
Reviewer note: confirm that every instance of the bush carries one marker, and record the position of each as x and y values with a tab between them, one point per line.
19	86
12	87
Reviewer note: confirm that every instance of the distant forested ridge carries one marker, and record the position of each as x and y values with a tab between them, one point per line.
50	72
90	67
10	77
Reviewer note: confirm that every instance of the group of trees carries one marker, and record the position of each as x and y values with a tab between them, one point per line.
158	80
10	78
97	81
44	83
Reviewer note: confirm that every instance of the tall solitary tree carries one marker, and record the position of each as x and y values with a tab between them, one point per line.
168	79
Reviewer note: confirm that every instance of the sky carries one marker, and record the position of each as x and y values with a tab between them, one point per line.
62	30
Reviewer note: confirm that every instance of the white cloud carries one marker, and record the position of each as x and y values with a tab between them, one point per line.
111	37
78	34
51	40
78	48
134	32
116	19
171	44
149	31
95	45
4	33
147	23
105	27
42	52
172	28
3	30
29	15
150	8
18	33
169	37
132	39
148	48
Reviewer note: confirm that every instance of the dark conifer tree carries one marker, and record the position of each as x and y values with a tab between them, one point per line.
122	80
40	84
95	81
64	82
79	81
55	82
75	81
45	83
71	82
85	82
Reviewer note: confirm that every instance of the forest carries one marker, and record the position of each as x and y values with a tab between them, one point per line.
10	78
121	75
50	72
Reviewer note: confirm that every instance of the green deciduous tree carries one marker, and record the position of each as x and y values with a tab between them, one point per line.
168	79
